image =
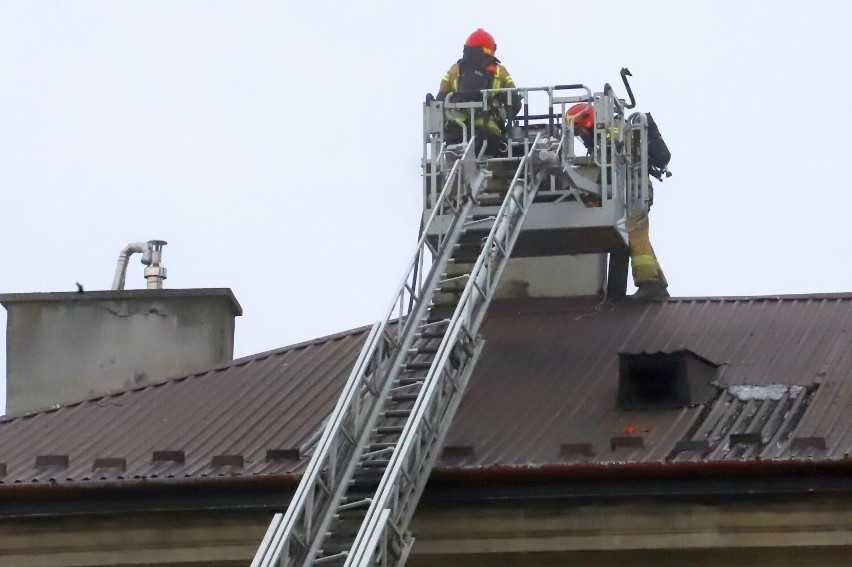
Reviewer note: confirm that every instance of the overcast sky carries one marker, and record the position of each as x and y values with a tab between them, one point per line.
276	145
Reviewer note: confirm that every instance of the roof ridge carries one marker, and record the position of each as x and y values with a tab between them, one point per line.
597	303
217	368
765	297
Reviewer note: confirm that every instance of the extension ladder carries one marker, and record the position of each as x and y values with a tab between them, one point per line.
364	480
358	494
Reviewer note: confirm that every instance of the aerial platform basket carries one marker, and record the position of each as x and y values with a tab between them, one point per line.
583	205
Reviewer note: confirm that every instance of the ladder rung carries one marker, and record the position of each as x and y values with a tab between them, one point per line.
330	558
407	387
428	327
481	221
342	537
408	381
417	365
467	255
404	397
453	279
389	429
377	451
467	245
375	464
365	476
397	413
364	502
432	335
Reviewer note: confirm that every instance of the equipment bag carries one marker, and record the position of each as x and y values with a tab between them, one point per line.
658	153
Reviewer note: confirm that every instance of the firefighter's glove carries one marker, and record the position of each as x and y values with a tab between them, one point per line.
497	109
515	105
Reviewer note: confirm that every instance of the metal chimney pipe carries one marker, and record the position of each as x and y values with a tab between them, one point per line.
121	266
152	253
155	273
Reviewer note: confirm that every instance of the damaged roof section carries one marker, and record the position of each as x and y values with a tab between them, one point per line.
544	392
746	422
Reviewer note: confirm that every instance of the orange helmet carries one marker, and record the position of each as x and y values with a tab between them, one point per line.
582	113
481	38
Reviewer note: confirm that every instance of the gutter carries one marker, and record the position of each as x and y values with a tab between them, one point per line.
449	487
515	474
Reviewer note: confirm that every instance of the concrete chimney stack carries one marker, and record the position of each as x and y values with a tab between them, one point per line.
66	347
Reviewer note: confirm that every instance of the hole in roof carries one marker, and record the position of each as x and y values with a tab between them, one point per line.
664	380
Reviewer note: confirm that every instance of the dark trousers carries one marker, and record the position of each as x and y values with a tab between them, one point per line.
495	142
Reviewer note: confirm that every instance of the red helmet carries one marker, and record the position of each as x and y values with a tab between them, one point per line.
582	113
481	38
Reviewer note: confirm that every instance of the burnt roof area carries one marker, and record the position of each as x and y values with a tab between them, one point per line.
752	383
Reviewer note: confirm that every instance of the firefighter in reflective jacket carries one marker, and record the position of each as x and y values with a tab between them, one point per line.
479	69
648	276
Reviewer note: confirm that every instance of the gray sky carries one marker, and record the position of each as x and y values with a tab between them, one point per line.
276	146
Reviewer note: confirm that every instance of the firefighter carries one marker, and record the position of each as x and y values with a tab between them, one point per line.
651	284
583	116
479	69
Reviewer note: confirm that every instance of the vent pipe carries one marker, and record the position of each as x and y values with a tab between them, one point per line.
152	253
154	273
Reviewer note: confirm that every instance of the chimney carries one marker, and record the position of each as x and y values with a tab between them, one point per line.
66	347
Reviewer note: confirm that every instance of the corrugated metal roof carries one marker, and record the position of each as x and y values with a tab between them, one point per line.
543	393
263	408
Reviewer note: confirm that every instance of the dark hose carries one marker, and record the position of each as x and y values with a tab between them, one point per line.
625	72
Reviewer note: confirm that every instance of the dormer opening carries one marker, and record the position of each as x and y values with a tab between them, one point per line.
664	380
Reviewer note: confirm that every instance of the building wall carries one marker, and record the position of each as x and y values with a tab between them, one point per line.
645	531
816	531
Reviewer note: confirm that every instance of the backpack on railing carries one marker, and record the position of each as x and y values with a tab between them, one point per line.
658	153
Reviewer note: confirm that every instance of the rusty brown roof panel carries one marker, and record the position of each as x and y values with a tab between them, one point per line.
255	404
543	394
560	373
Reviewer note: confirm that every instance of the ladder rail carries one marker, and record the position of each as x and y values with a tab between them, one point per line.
284	523
468	316
393	532
638	177
302	525
387	375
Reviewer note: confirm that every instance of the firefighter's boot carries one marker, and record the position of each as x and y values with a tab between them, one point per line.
650	291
